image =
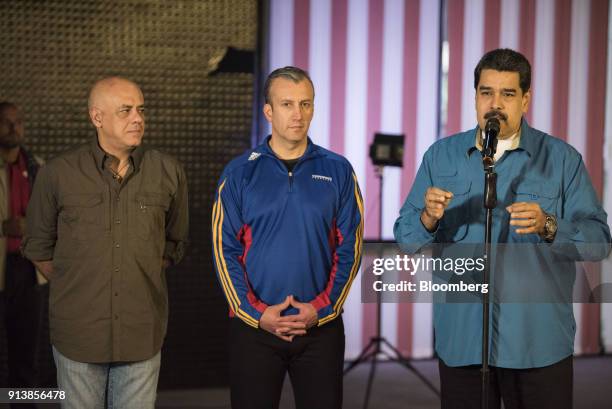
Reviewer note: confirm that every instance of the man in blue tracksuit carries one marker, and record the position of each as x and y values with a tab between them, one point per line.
287	232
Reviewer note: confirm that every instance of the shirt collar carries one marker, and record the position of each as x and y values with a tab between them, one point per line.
515	140
525	142
100	155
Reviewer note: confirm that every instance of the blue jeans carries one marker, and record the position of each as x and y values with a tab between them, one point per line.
116	385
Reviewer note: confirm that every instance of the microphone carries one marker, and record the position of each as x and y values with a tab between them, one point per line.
489	146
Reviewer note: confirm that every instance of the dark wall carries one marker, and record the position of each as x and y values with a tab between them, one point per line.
50	54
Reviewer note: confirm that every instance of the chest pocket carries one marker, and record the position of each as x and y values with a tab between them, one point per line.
545	194
83	215
454	225
151	209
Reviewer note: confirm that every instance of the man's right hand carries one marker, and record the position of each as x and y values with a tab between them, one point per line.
45	268
284	329
14	227
436	202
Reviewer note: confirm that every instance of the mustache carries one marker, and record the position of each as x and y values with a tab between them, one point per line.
496	114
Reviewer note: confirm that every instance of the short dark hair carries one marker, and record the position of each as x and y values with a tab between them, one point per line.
294	74
505	59
6	104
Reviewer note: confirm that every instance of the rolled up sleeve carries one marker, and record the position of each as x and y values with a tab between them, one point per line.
177	221
41	218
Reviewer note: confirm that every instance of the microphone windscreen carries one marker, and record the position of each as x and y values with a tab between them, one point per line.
492	126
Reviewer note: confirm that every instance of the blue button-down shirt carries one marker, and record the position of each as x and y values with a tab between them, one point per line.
542	169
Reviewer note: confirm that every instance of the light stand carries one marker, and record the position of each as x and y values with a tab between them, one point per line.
386	150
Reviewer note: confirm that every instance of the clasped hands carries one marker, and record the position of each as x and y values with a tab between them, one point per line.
528	217
289	326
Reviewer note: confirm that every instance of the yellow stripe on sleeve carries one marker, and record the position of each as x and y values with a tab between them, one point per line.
355	268
226	282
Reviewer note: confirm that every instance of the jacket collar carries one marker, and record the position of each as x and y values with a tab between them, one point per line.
312	150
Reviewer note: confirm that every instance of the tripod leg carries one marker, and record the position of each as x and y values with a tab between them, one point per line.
426	381
392	348
366	400
399	358
363	357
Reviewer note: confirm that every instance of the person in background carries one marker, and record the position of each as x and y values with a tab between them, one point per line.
22	298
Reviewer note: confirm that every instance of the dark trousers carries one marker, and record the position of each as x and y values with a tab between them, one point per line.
22	306
260	360
534	388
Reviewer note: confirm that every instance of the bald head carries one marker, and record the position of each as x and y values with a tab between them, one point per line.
116	109
104	87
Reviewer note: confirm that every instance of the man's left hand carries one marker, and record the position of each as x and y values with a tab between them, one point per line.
166	263
528	217
307	314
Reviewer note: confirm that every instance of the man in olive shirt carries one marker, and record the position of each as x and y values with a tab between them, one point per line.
104	221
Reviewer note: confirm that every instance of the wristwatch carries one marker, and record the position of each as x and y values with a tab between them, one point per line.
550	228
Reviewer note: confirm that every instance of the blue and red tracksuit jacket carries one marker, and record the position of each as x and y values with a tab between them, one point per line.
278	233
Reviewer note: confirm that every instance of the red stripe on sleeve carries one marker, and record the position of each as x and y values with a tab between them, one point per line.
335	239
245	237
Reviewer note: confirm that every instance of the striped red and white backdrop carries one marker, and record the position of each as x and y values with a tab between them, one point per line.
406	66
606	309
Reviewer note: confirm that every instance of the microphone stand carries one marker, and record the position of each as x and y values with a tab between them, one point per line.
490	201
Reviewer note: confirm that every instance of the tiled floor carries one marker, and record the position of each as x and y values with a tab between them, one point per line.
397	388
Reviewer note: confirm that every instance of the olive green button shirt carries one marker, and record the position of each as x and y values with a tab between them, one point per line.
107	238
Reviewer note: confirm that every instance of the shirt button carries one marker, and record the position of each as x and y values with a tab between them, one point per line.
117	199
117	221
117	245
116	269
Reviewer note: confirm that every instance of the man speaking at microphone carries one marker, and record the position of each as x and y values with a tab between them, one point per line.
544	198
